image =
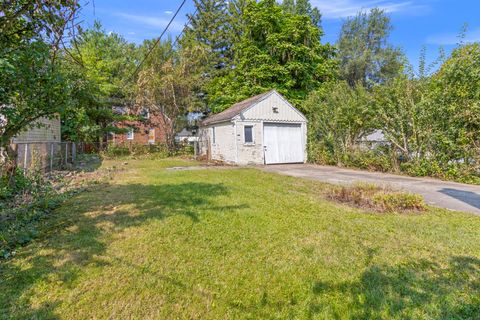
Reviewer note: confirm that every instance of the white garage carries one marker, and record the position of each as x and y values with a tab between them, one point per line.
264	129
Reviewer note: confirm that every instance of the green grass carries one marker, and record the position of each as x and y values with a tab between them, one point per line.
239	243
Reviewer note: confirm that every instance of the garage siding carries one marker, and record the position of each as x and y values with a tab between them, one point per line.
224	147
264	110
230	143
249	153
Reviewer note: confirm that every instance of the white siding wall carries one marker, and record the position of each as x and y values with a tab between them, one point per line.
249	153
230	143
264	111
224	147
48	132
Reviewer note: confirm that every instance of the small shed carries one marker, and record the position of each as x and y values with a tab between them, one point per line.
264	129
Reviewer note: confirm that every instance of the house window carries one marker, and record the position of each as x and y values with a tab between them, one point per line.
213	135
145	113
130	134
151	135
248	134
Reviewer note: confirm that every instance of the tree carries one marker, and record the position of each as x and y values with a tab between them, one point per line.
277	50
339	116
456	97
32	86
168	82
303	7
363	51
209	27
405	116
101	68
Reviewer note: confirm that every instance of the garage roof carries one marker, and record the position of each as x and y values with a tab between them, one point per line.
236	109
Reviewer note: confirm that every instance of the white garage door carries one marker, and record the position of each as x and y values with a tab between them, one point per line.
282	143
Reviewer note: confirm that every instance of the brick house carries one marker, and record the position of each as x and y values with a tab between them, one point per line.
149	130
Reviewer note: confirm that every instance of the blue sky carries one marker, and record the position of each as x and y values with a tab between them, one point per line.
433	23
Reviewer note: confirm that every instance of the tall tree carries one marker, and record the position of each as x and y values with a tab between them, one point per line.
277	50
168	83
456	101
107	64
363	51
303	7
289	6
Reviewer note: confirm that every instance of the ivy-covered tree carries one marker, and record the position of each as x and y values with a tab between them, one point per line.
277	50
363	51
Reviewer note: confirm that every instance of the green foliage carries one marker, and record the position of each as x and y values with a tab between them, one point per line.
303	7
339	116
456	97
276	50
364	55
430	123
405	115
151	151
169	83
100	68
31	84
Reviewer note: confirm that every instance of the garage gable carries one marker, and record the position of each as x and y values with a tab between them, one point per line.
272	108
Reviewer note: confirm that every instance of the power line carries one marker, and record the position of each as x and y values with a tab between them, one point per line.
184	28
158	39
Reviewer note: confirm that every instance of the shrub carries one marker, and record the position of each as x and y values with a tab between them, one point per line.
135	150
380	199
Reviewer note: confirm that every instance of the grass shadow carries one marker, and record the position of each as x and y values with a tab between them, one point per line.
75	236
408	291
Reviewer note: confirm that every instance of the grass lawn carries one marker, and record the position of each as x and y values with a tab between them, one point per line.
239	243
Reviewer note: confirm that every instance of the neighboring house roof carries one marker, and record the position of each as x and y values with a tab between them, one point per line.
236	109
375	136
185	133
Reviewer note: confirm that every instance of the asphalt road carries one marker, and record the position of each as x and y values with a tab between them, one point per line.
443	194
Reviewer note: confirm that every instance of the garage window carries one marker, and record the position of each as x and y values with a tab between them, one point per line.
248	134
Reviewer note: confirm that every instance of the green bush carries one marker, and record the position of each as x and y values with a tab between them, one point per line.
135	150
372	160
450	171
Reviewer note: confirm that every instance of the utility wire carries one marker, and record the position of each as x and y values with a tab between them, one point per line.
184	28
158	39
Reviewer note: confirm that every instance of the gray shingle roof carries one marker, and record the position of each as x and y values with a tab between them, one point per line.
236	109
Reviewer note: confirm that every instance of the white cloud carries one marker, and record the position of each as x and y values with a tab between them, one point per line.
346	8
131	33
168	12
152	21
447	39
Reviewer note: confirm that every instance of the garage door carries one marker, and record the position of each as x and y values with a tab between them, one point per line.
282	143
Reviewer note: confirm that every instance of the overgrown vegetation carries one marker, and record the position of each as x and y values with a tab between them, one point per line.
28	198
374	197
157	151
428	123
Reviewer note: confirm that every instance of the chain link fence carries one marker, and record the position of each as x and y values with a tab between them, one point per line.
46	156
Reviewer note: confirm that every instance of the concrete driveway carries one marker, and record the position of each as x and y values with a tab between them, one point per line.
449	195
